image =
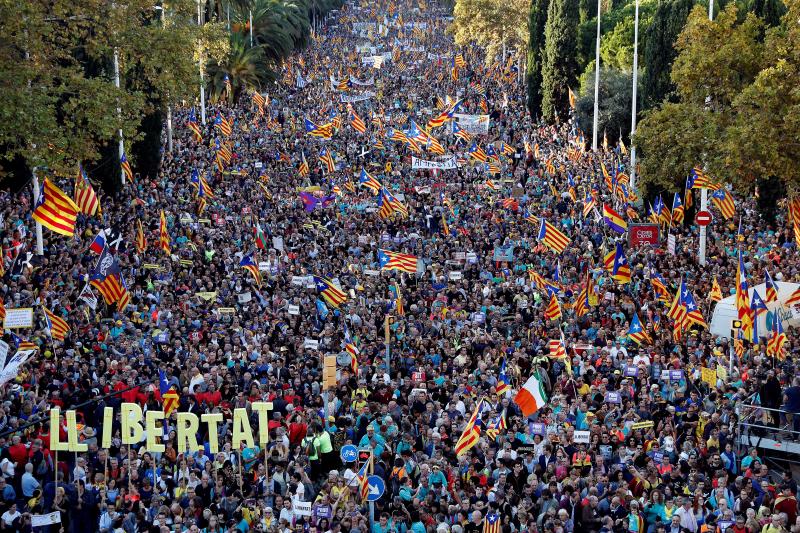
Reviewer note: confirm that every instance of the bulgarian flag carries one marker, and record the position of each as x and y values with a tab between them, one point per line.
261	240
531	397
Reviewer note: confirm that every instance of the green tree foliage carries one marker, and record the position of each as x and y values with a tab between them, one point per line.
770	11
491	24
559	65
536	23
659	52
614	111
60	103
722	116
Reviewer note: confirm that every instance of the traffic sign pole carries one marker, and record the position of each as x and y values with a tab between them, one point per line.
703	229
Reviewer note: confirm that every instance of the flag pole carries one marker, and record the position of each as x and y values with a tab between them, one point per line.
202	81
704	190
119	112
596	79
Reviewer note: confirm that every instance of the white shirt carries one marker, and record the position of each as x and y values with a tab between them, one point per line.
9	518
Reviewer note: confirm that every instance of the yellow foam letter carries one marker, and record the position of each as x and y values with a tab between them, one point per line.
73	444
55	444
242	432
132	429
151	420
188	424
212	419
108	427
263	409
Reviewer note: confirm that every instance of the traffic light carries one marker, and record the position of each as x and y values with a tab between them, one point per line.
329	372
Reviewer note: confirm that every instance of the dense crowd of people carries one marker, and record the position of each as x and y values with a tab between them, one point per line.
417	352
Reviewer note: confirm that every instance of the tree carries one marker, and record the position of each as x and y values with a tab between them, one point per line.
763	139
716	63
60	104
559	65
614	112
493	24
536	23
659	52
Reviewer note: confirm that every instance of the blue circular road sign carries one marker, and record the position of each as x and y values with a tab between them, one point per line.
349	453
376	488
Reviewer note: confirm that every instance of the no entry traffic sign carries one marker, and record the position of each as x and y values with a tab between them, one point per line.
703	218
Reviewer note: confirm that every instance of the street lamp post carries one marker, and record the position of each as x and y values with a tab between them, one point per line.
633	101
202	81
704	191
596	80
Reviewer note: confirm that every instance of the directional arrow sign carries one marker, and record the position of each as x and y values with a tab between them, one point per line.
349	453
703	218
376	488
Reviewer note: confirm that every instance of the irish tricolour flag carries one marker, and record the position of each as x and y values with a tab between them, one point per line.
531	397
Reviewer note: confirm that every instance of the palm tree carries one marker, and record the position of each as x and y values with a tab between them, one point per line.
246	66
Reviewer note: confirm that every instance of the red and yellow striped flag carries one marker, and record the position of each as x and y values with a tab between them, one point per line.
58	326
163	234
55	210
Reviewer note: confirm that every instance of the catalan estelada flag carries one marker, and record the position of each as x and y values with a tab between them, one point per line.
250	264
326	158
389	206
613	220
57	326
332	294
397	261
716	291
169	396
553	310
476	152
363	481
742	296
55	210
472	431
223	125
772	288
677	209
503	384
141	243
191	122
85	197
552	237
724	202
698	179
368	181
323	132
163	241
355	121
776	343
621	270
127	171
637	333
